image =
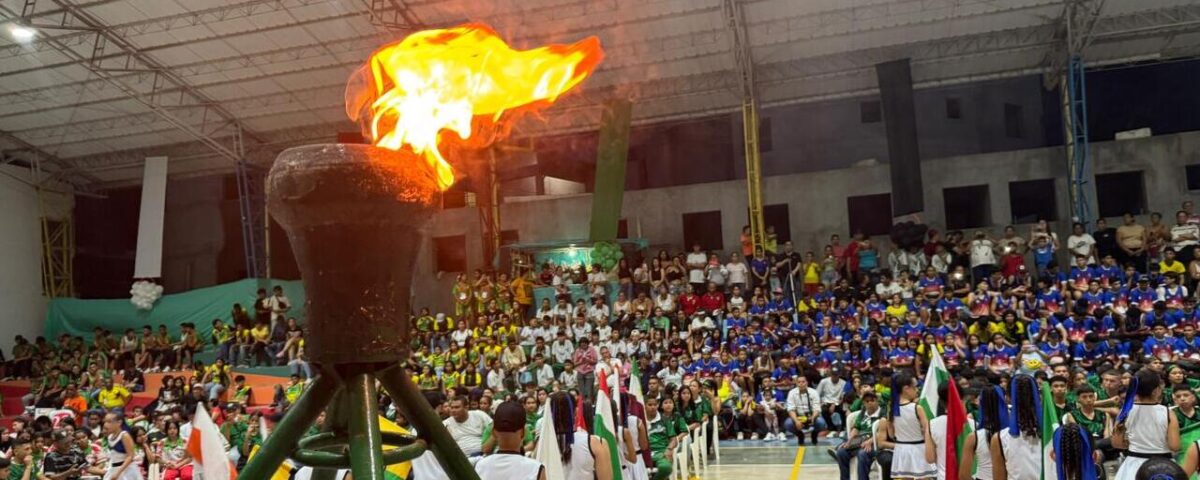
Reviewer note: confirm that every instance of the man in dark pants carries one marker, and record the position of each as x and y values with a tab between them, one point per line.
858	443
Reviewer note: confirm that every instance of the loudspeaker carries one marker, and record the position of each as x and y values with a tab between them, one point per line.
900	122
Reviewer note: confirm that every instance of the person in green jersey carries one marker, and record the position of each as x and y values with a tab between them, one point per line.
1097	422
1185	409
664	429
1058	391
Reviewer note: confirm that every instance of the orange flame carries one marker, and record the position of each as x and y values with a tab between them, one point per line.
413	92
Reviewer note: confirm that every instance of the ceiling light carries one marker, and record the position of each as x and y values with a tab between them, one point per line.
22	33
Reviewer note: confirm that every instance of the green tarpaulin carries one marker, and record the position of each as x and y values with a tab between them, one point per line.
200	307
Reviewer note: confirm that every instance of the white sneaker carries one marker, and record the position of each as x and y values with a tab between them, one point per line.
741	436
753	436
781	437
768	437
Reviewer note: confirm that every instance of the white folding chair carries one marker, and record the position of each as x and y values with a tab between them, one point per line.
702	440
716	424
681	457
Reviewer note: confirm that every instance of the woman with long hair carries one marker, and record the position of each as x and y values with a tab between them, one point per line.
172	451
1017	451
1145	427
907	424
1073	456
584	456
635	423
993	417
122	450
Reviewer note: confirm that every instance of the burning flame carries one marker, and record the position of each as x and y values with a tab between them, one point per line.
414	92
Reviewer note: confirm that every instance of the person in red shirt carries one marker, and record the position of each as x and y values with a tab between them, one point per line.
1012	261
713	299
850	254
689	302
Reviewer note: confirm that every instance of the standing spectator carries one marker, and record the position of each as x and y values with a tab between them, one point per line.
1106	239
737	272
279	305
868	258
522	289
760	269
1010	236
983	256
262	310
787	266
1131	242
585	358
1187	207
747	241
1157	237
941	259
1081	244
831	389
696	261
715	273
1184	235
850	254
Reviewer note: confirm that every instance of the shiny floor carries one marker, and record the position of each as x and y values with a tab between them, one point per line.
746	460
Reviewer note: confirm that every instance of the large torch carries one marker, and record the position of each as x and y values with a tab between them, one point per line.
354	216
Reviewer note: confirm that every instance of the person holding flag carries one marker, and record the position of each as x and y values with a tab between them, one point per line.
1018	451
976	459
1145	427
948	430
907	424
605	424
583	456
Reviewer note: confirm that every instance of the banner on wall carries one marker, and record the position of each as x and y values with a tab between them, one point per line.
148	262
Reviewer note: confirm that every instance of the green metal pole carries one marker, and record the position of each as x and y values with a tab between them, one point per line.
366	441
427	422
283	438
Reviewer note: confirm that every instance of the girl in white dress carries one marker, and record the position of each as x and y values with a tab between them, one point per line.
907	424
121	449
1145	427
632	412
993	417
1017	451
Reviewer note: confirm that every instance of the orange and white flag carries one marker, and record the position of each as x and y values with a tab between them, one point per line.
207	447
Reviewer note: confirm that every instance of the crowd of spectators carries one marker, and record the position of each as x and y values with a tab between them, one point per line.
775	343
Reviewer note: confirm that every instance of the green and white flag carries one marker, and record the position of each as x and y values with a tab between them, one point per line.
1049	425
604	424
635	383
934	377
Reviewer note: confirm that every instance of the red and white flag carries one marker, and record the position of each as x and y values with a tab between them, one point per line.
207	447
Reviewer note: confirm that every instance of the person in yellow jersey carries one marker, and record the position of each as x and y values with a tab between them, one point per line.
113	397
522	290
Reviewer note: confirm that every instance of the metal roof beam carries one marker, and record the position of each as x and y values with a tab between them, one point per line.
229	146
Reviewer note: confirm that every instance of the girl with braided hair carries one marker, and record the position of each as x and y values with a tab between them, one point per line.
907	424
993	417
1073	455
584	456
1017	450
1145	427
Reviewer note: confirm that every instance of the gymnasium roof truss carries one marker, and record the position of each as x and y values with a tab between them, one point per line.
106	83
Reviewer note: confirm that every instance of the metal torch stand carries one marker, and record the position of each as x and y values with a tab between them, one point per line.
352	438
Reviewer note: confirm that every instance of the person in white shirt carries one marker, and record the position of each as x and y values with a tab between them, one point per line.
279	305
1081	244
467	427
664	300
887	287
461	335
510	462
696	261
568	379
941	259
983	256
562	308
598	312
804	412
671	375
736	271
1184	236
562	348
598	281
831	389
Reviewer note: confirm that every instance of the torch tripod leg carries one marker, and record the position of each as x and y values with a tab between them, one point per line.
366	441
416	409
287	433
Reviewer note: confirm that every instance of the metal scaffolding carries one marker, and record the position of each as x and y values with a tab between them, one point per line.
735	19
1080	23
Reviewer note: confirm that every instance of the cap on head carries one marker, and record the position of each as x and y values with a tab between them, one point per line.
509	417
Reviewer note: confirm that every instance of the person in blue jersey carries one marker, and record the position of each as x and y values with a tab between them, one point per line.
1160	345
1049	297
1109	272
1081	276
1172	291
1188	343
1000	354
949	307
1054	348
1091	351
903	357
1142	297
1079	324
1093	298
913	326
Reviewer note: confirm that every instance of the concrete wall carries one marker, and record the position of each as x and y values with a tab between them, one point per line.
817	201
831	135
21	300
